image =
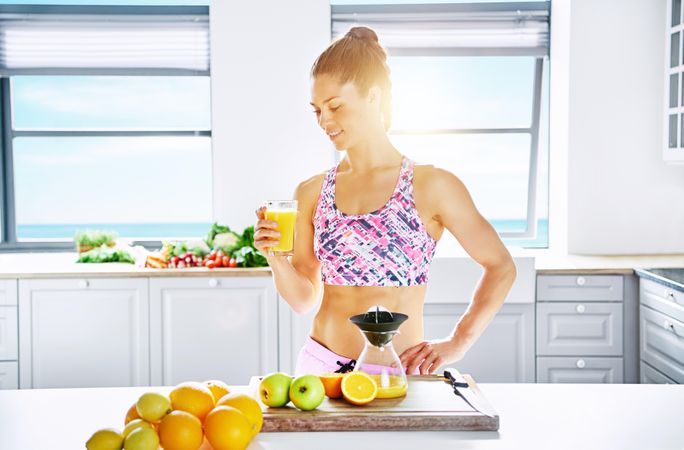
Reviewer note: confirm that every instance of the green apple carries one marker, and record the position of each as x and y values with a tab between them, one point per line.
142	439
307	392
274	389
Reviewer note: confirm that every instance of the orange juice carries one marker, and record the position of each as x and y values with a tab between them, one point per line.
393	386
286	225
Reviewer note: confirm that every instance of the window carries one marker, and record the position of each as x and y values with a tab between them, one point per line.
470	94
105	123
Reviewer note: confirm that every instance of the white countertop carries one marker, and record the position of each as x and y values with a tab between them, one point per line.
532	416
61	265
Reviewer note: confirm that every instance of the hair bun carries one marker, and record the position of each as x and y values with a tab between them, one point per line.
363	33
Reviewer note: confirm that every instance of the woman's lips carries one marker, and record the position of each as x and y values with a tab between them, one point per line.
336	136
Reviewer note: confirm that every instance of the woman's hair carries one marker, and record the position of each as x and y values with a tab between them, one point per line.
358	57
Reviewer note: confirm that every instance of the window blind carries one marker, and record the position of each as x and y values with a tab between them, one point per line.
460	29
103	37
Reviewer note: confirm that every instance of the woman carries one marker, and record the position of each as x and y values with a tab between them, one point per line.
364	250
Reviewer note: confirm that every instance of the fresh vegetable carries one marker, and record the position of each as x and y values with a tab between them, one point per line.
104	254
90	239
221	236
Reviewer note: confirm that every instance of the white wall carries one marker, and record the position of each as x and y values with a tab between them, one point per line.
622	197
264	138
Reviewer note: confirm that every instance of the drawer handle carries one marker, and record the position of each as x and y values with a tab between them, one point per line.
669	326
83	284
213	282
581	281
580	309
581	364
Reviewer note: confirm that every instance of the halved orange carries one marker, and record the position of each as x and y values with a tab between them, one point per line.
332	382
358	388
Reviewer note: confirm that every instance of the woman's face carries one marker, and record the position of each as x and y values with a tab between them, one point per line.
342	112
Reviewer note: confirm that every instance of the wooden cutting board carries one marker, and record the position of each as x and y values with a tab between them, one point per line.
430	404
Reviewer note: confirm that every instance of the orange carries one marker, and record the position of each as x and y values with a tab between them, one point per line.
131	414
332	382
227	428
248	406
358	388
180	430
218	389
192	397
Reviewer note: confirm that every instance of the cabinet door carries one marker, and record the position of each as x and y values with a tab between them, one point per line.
579	329
83	333
505	351
9	375
8	333
205	328
662	343
293	329
649	375
579	370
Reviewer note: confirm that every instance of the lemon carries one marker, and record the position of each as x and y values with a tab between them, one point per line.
134	425
142	439
105	439
152	406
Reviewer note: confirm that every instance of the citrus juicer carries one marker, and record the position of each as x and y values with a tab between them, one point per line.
378	358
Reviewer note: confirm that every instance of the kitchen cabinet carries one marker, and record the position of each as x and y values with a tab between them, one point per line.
205	328
504	353
83	332
8	335
580	328
661	332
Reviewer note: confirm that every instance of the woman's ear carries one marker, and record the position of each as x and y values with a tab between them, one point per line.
375	95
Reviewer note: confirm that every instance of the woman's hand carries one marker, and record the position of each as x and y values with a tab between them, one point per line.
428	356
265	232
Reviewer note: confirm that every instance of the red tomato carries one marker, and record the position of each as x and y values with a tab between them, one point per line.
225	261
232	262
212	264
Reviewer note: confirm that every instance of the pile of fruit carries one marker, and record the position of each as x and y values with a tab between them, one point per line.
307	392
190	414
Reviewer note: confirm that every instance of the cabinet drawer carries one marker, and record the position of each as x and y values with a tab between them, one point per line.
662	343
592	329
8	333
9	375
8	292
662	298
579	370
649	375
585	288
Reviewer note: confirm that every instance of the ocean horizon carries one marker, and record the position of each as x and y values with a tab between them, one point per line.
167	231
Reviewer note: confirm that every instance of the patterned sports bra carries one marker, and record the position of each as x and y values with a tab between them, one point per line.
387	247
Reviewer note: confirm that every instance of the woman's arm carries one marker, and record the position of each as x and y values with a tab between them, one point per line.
298	281
457	212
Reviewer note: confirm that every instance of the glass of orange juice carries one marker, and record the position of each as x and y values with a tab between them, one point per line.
285	213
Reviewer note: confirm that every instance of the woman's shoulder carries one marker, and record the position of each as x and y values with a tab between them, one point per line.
428	177
309	189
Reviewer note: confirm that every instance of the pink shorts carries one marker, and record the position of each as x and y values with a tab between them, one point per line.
315	359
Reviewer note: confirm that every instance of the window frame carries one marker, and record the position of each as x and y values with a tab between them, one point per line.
8	230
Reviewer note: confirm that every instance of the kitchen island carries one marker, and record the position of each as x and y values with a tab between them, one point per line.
532	416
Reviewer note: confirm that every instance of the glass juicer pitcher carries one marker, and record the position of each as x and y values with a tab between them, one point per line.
378	358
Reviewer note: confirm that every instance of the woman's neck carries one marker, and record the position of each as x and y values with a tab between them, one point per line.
371	154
